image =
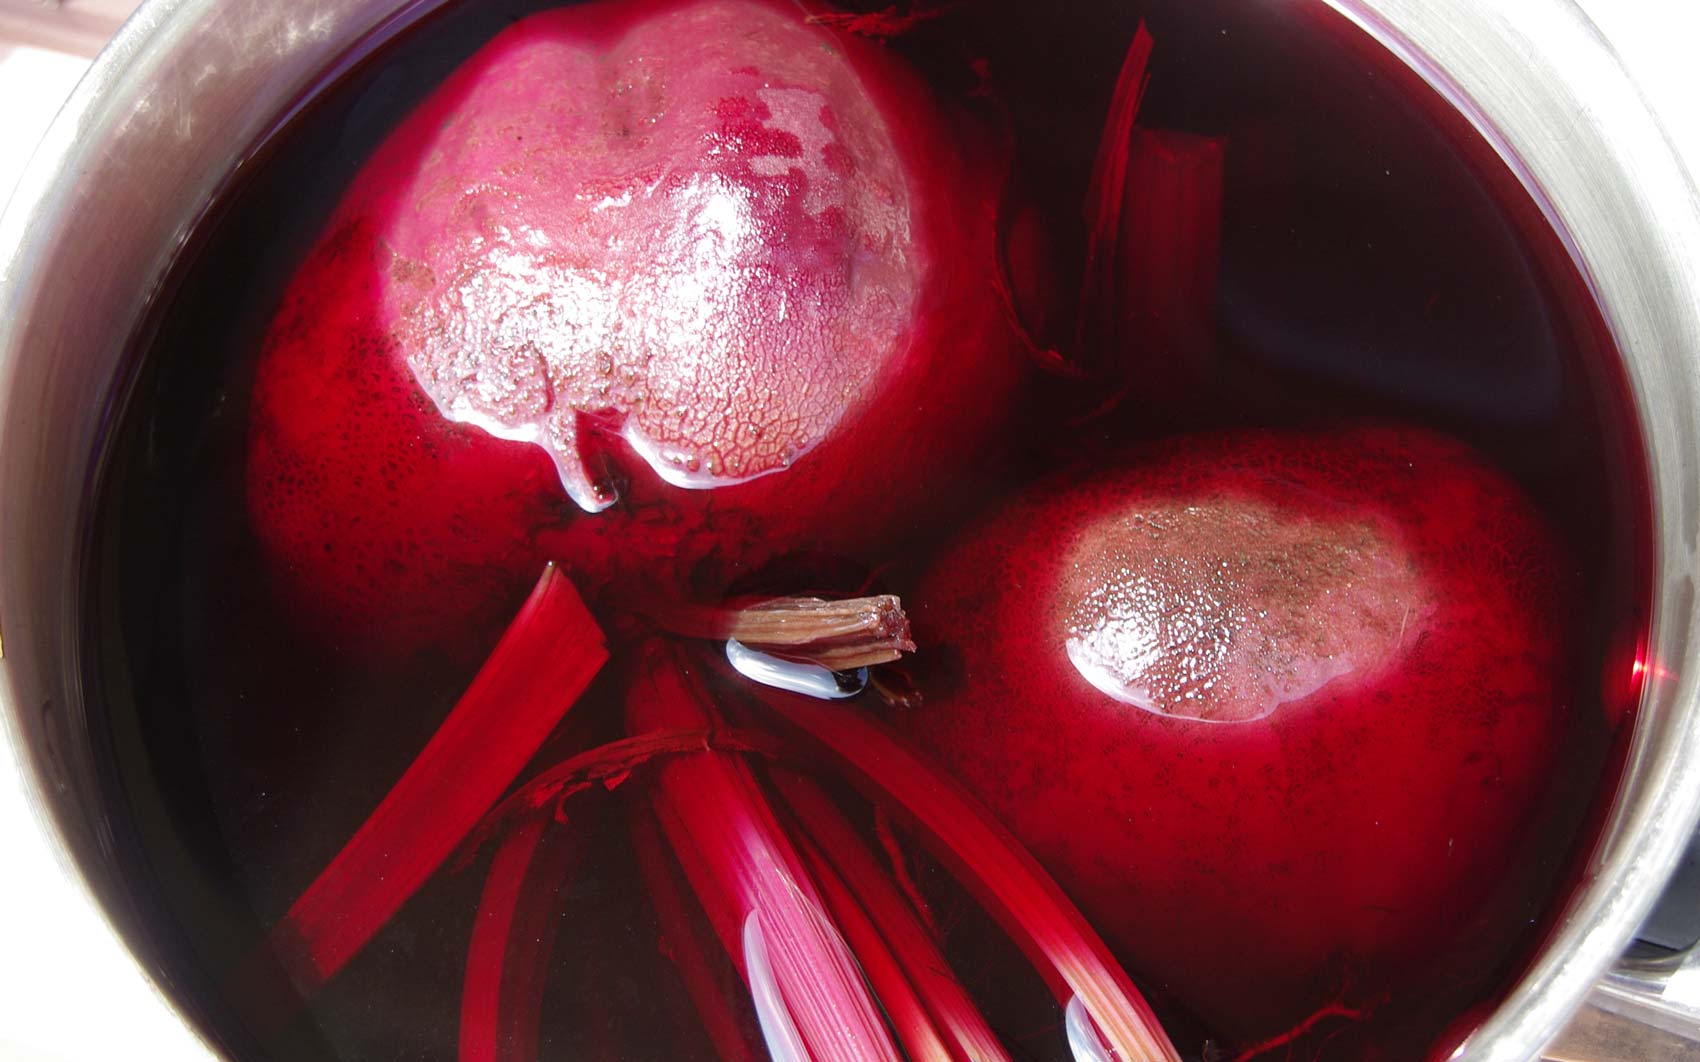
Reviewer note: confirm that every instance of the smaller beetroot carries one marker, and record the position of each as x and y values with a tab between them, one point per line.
1275	709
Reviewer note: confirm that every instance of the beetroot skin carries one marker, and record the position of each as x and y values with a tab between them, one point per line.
721	269
1275	709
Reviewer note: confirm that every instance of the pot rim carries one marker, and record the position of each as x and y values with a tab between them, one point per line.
1544	88
1534	77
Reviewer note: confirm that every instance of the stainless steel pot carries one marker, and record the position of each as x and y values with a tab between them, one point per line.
189	87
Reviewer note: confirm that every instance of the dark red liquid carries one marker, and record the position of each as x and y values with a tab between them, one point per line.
1377	262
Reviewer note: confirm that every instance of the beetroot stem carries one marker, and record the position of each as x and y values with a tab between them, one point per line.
899	860
750	880
1169	256
900	928
684	945
513	936
838	635
992	865
543	663
1104	197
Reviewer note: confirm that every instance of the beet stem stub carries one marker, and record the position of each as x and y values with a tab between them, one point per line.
841	635
544	662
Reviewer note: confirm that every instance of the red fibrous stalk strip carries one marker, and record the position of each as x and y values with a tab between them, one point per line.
608	766
513	937
1169	254
1302	1029
838	635
889	913
545	660
752	883
887	23
991	863
684	944
899	860
919	1037
1105	196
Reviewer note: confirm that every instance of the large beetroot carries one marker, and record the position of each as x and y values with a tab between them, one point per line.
701	260
1276	709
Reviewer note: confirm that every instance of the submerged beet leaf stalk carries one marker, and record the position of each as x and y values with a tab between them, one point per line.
1106	1015
688	948
750	879
512	937
839	963
903	947
543	663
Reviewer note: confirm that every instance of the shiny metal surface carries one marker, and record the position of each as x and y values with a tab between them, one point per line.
1542	86
187	89
166	114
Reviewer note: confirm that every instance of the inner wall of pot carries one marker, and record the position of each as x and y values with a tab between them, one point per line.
1379	260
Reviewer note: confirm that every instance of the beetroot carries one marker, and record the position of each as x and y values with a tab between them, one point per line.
720	265
1275	709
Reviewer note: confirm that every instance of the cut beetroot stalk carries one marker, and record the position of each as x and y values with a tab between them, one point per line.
1169	253
1104	198
889	914
837	635
993	866
751	881
544	662
684	945
513	937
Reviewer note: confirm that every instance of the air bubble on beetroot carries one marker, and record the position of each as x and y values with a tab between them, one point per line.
1085	1041
1225	610
784	1042
793	676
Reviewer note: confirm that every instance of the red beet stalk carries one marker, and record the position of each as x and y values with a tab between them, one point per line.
513	937
899	929
919	1037
751	881
1105	196
994	867
545	660
1168	256
607	767
684	945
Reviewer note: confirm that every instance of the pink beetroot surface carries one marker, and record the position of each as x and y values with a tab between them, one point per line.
701	260
1275	709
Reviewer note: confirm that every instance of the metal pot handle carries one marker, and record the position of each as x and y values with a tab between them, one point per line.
1648	1007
